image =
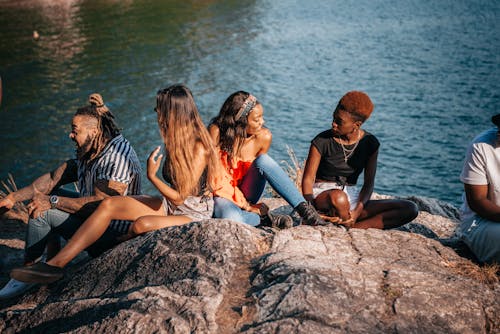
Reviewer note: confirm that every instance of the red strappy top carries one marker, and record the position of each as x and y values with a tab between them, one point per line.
232	176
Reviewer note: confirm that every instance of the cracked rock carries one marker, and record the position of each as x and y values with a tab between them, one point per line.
219	276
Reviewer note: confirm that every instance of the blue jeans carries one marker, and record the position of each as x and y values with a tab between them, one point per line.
54	221
263	169
482	236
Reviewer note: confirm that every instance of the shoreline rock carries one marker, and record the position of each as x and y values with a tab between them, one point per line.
218	276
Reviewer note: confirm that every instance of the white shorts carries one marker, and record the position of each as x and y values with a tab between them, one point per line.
352	192
195	207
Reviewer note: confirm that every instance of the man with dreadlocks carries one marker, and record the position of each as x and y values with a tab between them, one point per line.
105	165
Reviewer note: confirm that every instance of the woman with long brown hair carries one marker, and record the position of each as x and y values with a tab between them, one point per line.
190	161
243	142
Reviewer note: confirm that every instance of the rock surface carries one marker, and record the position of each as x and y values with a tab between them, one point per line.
219	276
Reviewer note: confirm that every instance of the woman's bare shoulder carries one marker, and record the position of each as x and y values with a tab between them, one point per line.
263	140
214	132
264	135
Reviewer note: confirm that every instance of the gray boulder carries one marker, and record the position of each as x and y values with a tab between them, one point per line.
218	276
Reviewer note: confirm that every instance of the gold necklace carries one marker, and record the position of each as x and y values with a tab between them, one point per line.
349	151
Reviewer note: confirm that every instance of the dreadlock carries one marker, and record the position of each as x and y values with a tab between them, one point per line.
105	123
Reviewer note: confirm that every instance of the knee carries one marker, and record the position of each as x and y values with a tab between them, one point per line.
219	205
411	209
223	208
339	199
107	204
264	160
140	226
40	221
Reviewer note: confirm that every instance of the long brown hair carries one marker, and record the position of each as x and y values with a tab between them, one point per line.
106	125
232	122
182	128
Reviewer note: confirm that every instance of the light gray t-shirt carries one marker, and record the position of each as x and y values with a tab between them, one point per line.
482	167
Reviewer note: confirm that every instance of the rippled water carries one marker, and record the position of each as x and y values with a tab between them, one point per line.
431	68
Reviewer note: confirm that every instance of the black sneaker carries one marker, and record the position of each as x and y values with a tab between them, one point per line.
309	214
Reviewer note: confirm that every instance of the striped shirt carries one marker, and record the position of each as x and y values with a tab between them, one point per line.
117	162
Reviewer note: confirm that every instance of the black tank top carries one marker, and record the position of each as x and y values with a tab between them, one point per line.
333	167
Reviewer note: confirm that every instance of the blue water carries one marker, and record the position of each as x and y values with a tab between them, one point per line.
430	67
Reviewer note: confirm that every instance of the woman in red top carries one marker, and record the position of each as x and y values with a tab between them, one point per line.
243	142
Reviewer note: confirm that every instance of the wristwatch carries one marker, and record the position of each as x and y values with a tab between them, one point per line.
53	201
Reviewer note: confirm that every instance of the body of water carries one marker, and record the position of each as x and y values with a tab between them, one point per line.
432	69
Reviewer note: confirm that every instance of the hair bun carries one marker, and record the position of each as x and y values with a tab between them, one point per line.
97	101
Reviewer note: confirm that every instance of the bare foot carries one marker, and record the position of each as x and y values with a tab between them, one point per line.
337	220
330	219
